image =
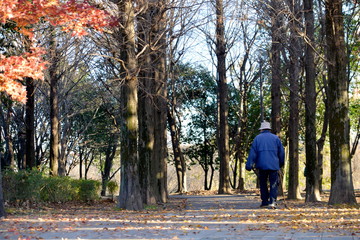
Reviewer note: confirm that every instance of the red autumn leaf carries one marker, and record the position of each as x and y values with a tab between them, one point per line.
71	16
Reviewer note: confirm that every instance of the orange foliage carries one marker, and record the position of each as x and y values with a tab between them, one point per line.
15	68
72	16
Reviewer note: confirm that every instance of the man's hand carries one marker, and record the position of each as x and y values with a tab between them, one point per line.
248	168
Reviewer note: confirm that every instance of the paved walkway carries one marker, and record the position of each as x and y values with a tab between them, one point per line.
189	217
243	208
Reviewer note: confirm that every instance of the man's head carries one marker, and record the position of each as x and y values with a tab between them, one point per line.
265	126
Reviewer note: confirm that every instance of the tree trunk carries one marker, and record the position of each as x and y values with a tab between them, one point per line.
2	206
9	157
312	179
241	183
54	110
241	140
146	114
30	123
81	162
88	162
159	159
21	136
275	61
206	173
64	141
223	141
174	127
342	188
130	193
178	156
146	140
320	143
158	179
294	78
152	104
276	67
109	159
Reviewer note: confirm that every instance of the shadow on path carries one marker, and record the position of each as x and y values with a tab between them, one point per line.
208	202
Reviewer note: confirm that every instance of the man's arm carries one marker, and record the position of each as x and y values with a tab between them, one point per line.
251	159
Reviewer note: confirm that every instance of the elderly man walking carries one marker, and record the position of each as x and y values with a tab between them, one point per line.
267	155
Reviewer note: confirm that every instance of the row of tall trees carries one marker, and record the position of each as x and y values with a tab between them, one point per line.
115	95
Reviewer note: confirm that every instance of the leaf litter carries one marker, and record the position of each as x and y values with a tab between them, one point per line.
178	218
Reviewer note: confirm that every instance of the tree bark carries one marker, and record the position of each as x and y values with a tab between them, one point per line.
21	136
81	162
276	16
320	143
342	188
64	139
130	193
2	206
54	109
146	114
312	173
241	142
109	159
8	159
294	78
30	124
158	166
223	141
159	161
276	24
152	104
174	126
178	156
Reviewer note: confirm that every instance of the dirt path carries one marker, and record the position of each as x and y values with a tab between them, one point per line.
185	217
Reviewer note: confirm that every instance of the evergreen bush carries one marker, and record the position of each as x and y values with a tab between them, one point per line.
34	186
88	190
112	187
23	185
58	189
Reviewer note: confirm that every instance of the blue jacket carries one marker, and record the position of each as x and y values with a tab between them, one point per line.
266	153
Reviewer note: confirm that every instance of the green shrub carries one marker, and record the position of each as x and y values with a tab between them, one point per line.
23	185
88	190
9	185
33	186
58	189
112	187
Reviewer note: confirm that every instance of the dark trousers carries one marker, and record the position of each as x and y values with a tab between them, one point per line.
267	196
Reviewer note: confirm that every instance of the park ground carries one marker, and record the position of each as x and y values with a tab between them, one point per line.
192	216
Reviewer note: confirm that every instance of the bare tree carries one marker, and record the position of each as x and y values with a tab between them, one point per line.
54	107
223	137
177	17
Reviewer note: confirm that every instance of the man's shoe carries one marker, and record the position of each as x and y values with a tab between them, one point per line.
264	205
272	205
